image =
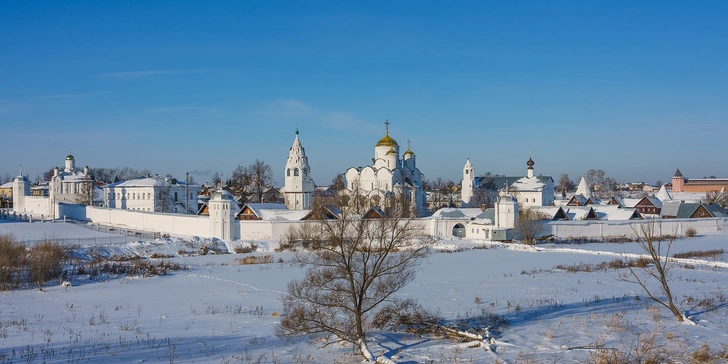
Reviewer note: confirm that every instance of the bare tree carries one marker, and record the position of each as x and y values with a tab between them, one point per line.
721	198
528	226
261	177
650	238
239	182
361	264
565	183
85	195
483	197
216	178
48	175
337	184
164	201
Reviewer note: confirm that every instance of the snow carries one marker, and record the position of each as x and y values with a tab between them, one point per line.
218	311
528	184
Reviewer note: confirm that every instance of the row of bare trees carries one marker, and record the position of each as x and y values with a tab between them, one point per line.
249	183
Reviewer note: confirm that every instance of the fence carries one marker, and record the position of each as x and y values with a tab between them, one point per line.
119	235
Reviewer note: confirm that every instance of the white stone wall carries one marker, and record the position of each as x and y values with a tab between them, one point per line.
35	205
266	230
171	223
599	229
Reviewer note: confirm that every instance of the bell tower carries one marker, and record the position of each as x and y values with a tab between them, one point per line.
299	186
468	181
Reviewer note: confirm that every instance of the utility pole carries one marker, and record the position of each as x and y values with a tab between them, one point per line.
187	192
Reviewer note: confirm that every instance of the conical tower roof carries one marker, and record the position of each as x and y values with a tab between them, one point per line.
663	195
583	189
677	173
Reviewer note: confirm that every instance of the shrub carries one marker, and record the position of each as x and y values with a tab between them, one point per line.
12	257
44	262
264	259
242	249
691	233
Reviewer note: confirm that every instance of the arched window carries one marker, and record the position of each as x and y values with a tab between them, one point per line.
288	172
304	171
295	172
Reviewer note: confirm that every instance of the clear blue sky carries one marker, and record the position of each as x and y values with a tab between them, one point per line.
636	88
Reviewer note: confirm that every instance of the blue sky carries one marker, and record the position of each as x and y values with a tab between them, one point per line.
636	88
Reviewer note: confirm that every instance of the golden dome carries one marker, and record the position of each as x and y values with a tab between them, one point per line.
387	141
408	152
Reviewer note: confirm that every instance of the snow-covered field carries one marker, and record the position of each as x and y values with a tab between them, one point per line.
222	312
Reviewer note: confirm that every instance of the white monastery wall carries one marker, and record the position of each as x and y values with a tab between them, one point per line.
36	205
599	229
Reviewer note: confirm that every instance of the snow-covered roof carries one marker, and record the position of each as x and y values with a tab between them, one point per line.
670	208
282	215
549	211
7	185
486	217
614	212
578	212
147	182
457	213
688	196
529	184
266	211
535	183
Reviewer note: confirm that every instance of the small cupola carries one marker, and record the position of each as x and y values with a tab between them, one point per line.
530	164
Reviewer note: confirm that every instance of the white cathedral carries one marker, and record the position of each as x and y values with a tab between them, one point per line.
390	179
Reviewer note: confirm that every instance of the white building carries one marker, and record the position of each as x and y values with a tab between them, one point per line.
158	194
71	184
529	190
299	186
389	180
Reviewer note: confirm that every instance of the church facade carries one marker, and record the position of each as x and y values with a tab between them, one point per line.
529	190
71	184
389	182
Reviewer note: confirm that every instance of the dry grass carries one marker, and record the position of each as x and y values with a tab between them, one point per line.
603	266
22	267
713	254
263	259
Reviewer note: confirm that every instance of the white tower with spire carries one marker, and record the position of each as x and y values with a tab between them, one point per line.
299	186
468	181
222	209
21	189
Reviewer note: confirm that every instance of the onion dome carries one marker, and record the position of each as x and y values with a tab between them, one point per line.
409	149
530	163
387	141
70	157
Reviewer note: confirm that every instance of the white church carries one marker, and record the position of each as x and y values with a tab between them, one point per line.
70	184
389	180
529	190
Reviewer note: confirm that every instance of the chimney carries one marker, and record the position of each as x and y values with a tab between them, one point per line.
482	207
